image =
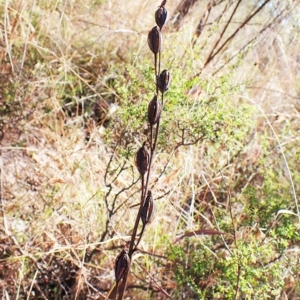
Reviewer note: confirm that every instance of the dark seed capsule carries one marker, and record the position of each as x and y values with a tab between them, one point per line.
154	110
122	264
148	209
142	159
154	40
163	3
161	17
163	81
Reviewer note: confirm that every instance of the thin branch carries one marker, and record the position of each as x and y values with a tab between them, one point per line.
211	55
249	42
233	35
203	19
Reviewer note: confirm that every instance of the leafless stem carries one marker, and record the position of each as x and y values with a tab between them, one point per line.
162	86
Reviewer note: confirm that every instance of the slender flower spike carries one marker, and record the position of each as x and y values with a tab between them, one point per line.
142	159
154	40
163	81
154	111
148	209
161	16
122	264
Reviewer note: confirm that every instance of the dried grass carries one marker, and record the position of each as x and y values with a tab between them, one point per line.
52	179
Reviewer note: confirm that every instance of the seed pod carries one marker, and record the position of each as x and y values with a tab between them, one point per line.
142	159
163	81
122	264
154	110
163	3
161	16
148	209
154	40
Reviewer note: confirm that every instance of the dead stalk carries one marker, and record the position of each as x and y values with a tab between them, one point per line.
144	158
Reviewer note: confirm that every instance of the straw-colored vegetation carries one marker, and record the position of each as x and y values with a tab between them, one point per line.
76	80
